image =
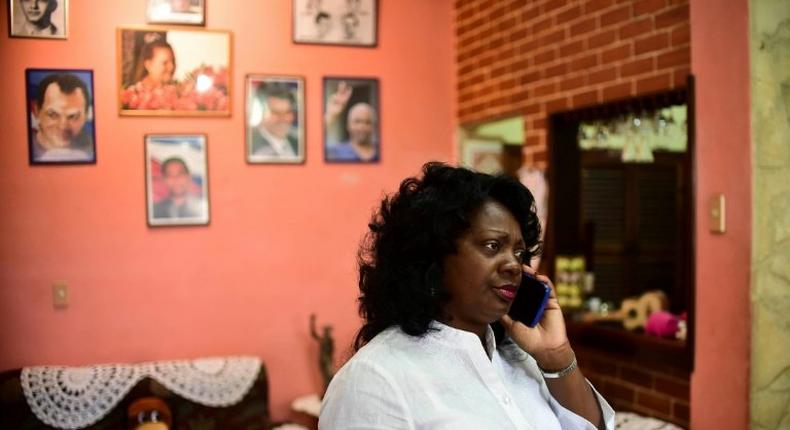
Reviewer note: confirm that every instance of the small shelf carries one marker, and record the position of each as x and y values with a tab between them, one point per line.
630	345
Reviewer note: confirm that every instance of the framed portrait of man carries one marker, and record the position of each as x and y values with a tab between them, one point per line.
336	22
351	120
44	19
176	173
61	127
275	119
186	12
174	72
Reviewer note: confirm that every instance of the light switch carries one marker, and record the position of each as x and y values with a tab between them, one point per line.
717	214
60	295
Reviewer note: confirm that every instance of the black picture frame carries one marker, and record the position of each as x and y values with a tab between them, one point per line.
53	115
351	122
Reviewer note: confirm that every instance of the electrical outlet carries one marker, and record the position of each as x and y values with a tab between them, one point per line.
60	295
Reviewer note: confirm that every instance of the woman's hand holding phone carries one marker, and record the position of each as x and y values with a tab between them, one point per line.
531	300
548	340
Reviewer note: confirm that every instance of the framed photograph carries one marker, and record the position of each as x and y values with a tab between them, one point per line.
336	22
176	180
482	155
60	126
174	72
275	119
45	19
188	12
351	120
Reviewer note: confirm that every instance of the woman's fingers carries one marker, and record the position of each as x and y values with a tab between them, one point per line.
507	322
528	269
510	324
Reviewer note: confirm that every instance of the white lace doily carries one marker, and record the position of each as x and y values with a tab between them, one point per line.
76	397
208	381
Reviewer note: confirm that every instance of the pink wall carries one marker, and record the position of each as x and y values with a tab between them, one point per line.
282	239
720	61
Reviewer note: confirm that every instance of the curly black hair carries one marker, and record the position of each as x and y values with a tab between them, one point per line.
400	259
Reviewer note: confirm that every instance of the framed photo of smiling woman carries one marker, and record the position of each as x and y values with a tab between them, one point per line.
174	72
44	19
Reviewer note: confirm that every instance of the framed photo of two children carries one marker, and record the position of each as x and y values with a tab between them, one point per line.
336	22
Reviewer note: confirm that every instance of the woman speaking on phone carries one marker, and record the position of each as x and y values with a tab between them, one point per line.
438	272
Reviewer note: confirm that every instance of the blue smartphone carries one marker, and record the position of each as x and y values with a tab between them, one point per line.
530	301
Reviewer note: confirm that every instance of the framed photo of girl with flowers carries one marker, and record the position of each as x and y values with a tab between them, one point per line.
174	72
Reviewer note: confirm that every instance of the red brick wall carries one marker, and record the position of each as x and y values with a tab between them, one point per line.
648	388
538	57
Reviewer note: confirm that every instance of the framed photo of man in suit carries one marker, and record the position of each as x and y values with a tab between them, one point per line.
275	119
176	180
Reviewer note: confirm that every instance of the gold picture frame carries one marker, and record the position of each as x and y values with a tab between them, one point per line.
174	71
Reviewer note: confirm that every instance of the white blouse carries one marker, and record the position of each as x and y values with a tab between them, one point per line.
444	380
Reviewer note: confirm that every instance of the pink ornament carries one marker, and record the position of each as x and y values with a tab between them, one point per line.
662	324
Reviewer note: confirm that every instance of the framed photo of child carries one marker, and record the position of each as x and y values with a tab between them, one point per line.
176	180
39	19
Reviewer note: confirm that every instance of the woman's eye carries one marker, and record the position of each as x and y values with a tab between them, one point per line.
493	246
521	255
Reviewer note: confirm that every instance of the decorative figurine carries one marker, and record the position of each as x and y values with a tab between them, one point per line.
326	350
